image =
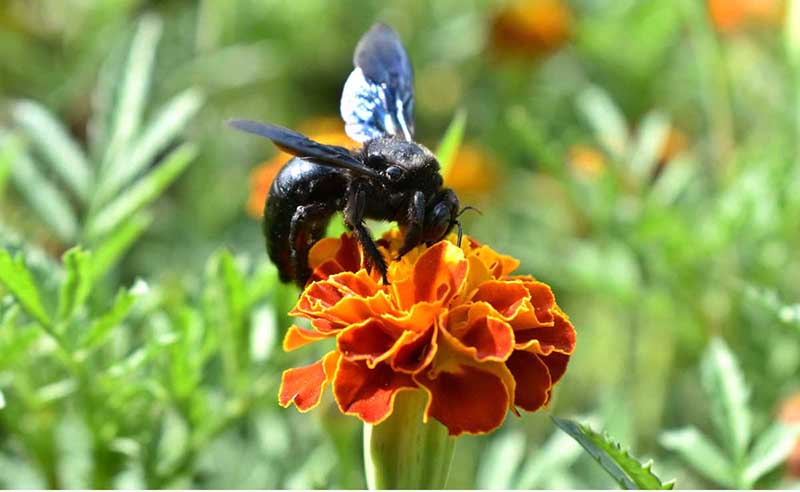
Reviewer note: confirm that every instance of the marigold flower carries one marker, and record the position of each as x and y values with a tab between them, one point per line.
531	28
472	171
789	413
733	15
453	322
326	130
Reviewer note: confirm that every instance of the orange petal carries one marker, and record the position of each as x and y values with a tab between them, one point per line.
417	353
438	274
533	380
303	386
368	393
373	341
469	401
480	333
505	297
499	265
543	340
297	337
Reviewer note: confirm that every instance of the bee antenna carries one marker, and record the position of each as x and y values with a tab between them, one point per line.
469	207
460	233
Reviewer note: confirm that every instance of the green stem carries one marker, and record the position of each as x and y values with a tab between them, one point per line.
402	452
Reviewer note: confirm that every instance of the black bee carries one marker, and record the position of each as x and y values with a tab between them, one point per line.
390	177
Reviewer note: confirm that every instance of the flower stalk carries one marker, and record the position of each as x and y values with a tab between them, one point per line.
403	452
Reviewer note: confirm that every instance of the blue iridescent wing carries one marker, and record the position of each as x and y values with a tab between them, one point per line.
378	97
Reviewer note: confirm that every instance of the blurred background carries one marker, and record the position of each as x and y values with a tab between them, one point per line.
639	156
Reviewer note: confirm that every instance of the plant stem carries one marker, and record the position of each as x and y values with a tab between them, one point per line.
402	452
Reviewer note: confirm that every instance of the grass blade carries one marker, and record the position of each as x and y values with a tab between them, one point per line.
45	199
628	472
15	276
55	144
448	147
157	135
700	453
142	192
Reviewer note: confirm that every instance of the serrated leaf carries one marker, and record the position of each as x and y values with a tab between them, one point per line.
626	470
771	449
54	143
102	327
724	383
18	280
157	135
44	198
77	283
500	461
142	192
132	95
701	454
448	147
116	243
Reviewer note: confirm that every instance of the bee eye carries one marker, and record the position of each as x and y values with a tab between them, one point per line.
394	173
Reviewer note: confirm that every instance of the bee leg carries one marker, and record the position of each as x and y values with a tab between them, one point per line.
354	219
415	220
307	227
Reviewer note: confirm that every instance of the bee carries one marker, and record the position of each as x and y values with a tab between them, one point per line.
391	177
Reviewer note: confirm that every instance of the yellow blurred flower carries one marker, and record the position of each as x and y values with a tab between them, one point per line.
473	171
327	130
734	15
530	27
586	161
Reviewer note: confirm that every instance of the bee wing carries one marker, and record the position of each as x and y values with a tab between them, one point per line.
378	96
301	146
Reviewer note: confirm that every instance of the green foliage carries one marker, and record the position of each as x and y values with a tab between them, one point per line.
626	470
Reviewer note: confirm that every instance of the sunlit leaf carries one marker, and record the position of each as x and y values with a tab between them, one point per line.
448	147
56	145
772	448
77	283
500	461
606	120
702	454
102	327
17	279
628	472
116	243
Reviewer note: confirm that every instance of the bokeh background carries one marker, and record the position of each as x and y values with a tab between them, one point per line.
639	156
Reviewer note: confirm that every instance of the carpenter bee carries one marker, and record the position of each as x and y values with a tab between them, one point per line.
391	177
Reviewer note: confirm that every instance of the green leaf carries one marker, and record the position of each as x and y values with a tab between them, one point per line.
9	148
702	454
621	466
77	283
18	280
46	200
500	461
54	143
118	242
157	135
102	327
728	395
558	453
448	147
235	286
132	95
606	120
771	449
650	138
142	192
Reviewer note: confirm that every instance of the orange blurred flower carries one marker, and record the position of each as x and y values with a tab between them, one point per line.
453	323
733	15
790	414
472	171
530	27
327	130
586	161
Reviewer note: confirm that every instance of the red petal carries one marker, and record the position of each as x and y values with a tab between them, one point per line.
543	340
505	297
368	393
416	353
533	380
471	401
556	364
303	386
297	337
480	333
374	340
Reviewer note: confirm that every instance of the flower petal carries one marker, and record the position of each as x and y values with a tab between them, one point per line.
468	401
533	380
368	393
417	353
556	365
438	274
543	340
478	331
297	337
499	265
373	341
304	386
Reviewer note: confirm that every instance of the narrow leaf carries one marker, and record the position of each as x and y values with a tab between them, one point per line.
18	280
618	463
650	139
728	395
448	147
557	454
77	283
131	99
118	242
54	143
142	192
9	148
701	454
103	326
500	461
771	449
46	200
157	135
606	120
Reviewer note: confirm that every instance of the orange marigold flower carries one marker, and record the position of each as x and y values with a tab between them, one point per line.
472	171
453	322
530	27
790	414
733	15
326	130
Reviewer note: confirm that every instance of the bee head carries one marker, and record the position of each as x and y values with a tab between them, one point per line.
402	164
